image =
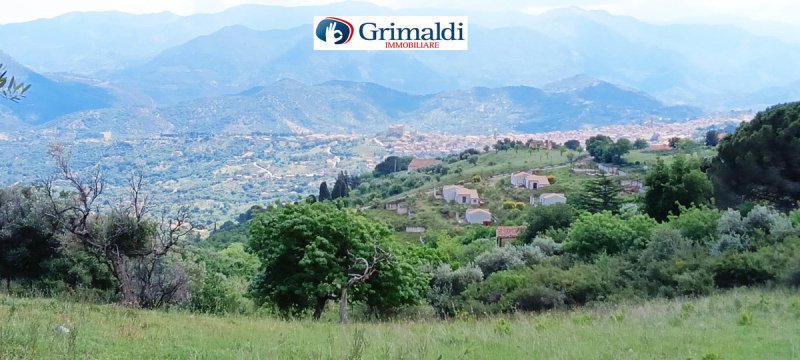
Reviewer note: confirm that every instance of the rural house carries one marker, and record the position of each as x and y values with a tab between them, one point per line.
461	195
549	199
507	234
529	181
478	216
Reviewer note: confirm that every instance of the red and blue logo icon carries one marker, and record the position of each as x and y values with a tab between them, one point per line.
333	30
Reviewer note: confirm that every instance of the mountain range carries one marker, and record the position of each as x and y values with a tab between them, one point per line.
292	107
116	66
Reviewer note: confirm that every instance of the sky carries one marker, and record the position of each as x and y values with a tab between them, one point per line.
660	11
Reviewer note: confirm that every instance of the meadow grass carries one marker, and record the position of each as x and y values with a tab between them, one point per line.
739	324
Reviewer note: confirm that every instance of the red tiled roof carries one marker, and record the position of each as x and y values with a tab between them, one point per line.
509	232
422	163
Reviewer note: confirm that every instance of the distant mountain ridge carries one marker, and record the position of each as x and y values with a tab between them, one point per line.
168	58
290	106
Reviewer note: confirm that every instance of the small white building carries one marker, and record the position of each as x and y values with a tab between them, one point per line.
549	199
461	195
478	216
529	181
536	181
519	179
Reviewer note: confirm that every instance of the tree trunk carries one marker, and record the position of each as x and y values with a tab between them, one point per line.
119	263
319	307
343	306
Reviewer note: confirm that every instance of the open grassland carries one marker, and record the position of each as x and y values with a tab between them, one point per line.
741	324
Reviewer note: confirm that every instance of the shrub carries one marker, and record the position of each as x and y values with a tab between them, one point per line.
536	298
673	265
603	232
219	294
544	218
447	284
547	245
490	295
498	259
697	223
740	269
530	255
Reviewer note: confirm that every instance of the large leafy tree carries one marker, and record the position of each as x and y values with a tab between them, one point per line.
392	164
543	218
601	194
28	238
604	149
572	144
671	187
760	160
312	253
604	232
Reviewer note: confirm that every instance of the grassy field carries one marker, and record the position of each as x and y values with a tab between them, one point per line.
741	324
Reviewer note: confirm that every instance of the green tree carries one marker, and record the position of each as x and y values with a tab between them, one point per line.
324	193
28	237
392	164
11	89
712	138
670	187
760	160
601	194
572	144
604	232
341	189
542	218
640	144
310	252
598	145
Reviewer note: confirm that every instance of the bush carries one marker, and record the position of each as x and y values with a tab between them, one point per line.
536	298
544	218
498	259
490	296
447	284
697	223
219	294
740	269
603	232
673	265
547	245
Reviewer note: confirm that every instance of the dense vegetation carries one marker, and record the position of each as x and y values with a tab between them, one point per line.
760	160
296	259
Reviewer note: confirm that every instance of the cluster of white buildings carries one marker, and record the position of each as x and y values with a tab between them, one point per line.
465	196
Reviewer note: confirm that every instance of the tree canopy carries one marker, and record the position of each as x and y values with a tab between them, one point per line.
308	252
604	149
601	194
670	187
760	160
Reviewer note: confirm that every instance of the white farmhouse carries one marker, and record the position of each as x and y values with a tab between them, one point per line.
529	181
461	195
478	216
549	199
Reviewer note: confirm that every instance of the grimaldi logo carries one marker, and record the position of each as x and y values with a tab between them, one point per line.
390	33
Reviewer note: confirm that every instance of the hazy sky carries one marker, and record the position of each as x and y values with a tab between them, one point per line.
784	11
